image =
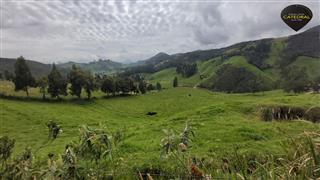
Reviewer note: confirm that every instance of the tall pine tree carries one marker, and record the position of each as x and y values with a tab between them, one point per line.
23	78
57	84
108	85
77	81
175	82
158	86
142	87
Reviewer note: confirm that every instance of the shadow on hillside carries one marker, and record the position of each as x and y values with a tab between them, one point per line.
118	96
80	101
48	100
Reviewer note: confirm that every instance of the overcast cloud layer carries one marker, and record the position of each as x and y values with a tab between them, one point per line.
60	31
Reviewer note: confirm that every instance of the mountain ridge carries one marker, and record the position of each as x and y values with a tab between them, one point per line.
314	32
39	69
268	54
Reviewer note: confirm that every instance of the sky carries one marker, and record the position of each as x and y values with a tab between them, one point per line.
127	31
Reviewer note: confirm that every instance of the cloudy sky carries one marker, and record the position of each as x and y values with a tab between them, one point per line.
126	31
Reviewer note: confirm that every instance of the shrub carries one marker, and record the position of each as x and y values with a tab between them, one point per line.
266	114
313	114
54	129
6	147
187	70
175	82
281	112
295	79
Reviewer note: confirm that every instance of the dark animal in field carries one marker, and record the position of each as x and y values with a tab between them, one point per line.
151	113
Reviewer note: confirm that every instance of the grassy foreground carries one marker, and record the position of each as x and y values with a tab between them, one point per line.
221	121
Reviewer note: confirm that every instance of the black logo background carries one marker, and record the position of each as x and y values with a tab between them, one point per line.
296	9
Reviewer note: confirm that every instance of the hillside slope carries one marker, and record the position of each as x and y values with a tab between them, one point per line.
37	69
264	58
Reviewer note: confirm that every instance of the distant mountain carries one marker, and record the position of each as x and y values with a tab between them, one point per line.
303	44
37	69
157	59
264	58
100	66
40	69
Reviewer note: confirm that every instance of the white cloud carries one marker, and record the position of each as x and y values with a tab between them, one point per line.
56	31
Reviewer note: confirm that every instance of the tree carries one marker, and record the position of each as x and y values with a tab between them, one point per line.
258	54
295	79
233	79
1	76
150	87
23	78
256	84
8	75
158	86
187	70
175	82
77	81
42	83
108	85
124	85
57	84
98	78
89	84
316	84
142	87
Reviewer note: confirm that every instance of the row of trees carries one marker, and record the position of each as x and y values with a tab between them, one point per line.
187	70
258	54
7	75
79	80
239	80
297	80
113	85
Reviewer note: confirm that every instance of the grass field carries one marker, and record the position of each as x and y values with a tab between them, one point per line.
222	121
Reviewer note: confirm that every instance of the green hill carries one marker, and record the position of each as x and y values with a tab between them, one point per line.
265	59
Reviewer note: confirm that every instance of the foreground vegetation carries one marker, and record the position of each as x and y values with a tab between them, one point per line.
96	156
222	123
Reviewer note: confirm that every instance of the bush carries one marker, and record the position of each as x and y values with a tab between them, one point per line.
6	147
54	129
313	114
295	79
187	70
281	113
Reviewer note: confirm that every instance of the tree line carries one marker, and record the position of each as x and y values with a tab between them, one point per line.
77	82
187	70
296	79
233	79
